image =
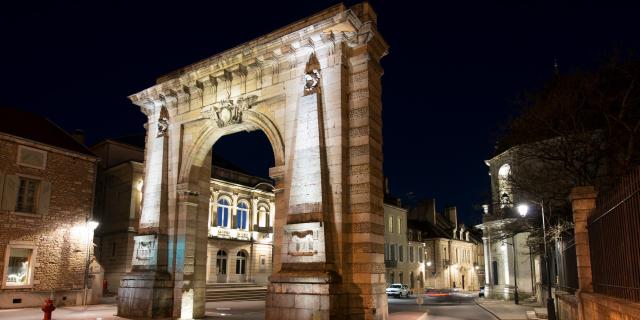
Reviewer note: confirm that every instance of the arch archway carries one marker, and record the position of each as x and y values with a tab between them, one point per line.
323	121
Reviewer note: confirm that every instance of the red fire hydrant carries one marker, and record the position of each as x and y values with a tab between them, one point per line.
47	308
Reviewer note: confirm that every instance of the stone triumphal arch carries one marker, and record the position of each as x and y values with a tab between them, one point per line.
313	88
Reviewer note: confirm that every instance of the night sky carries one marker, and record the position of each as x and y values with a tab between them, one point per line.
451	76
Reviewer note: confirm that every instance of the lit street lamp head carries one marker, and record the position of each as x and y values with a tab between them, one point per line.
92	225
523	209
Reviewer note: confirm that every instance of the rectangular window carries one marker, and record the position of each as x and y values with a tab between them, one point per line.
19	266
390	225
386	251
392	251
27	195
411	254
399	225
400	254
420	255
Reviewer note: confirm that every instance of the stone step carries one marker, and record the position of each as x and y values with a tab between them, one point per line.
531	315
235	291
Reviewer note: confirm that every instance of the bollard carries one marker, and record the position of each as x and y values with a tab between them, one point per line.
47	308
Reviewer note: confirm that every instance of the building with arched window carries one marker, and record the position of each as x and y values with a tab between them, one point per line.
241	217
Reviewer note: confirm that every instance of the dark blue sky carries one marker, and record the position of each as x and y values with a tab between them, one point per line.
452	69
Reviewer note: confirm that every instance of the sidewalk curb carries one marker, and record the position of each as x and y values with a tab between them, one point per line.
486	309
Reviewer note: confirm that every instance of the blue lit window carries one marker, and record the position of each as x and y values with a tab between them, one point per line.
224	211
241	215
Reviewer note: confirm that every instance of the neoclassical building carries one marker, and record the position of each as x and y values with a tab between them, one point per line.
240	228
240	224
507	260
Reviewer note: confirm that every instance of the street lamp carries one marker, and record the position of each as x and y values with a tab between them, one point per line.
523	209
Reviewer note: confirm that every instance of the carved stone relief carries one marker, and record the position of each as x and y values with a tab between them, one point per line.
227	112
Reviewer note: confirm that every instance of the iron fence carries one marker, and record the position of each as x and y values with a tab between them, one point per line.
614	241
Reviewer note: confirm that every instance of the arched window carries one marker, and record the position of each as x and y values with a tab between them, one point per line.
241	215
504	186
241	262
224	213
221	262
263	217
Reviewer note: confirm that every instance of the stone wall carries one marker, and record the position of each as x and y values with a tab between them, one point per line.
58	235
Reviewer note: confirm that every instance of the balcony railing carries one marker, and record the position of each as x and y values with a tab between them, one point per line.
239	234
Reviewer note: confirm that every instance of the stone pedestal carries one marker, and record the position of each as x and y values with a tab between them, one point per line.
301	295
145	294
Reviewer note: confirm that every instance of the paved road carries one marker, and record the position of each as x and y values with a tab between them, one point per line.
454	306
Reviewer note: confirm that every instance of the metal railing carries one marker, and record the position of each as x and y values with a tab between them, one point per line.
614	242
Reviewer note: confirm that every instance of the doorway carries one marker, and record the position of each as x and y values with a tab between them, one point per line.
221	266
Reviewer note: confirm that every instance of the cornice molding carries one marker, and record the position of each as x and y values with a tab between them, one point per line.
322	30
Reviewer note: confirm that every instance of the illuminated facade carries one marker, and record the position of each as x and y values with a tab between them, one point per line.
453	254
503	262
241	221
240	218
45	240
314	88
404	251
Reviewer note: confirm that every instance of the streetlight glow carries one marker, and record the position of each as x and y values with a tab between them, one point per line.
92	225
428	263
523	209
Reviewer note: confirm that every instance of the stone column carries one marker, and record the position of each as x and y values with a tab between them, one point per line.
485	247
146	291
583	204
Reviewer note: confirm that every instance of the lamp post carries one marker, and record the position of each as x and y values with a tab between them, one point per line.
522	210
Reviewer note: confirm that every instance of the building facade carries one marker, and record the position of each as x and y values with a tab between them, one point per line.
46	187
403	249
508	260
241	213
453	254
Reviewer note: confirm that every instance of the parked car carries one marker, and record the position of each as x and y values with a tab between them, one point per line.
481	293
398	290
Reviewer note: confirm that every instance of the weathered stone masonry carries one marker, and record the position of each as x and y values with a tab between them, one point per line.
58	232
329	230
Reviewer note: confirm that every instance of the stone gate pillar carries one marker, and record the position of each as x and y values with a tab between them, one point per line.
147	291
583	203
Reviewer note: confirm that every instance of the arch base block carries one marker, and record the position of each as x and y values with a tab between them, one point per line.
301	295
146	295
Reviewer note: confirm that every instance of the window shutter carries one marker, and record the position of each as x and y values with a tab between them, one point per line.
44	196
10	192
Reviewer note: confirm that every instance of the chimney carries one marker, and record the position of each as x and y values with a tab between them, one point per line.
78	135
430	211
452	215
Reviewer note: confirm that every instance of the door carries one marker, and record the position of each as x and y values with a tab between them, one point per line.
221	266
241	266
